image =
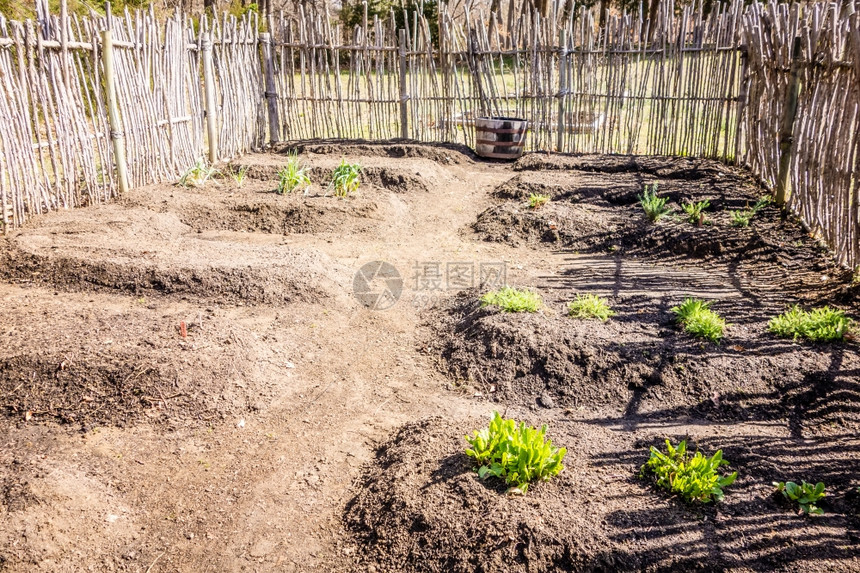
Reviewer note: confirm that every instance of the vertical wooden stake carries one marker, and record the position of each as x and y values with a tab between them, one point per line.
65	28
271	90
742	101
116	134
786	131
209	94
404	97
562	88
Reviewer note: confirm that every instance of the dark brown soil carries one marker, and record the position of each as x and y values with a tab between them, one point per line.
121	367
301	279
421	507
640	363
594	209
443	153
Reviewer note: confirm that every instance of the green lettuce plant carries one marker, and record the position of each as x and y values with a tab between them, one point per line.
538	200
694	477
514	452
806	495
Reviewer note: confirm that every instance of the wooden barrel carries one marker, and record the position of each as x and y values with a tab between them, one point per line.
500	137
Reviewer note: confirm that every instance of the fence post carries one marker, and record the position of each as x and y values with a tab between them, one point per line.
562	87
786	130
742	100
271	90
116	134
404	97
209	94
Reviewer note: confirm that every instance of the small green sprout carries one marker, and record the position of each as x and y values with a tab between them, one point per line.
346	178
538	200
695	477
695	211
699	320
742	218
240	175
198	174
515	452
822	324
510	299
292	176
655	207
590	306
806	495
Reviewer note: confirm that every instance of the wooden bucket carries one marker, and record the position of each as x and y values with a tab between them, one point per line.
500	137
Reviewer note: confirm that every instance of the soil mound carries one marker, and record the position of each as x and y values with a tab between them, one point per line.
396	180
423	508
117	364
573	186
598	211
685	168
120	389
443	153
95	392
640	363
301	279
255	207
137	251
291	215
579	227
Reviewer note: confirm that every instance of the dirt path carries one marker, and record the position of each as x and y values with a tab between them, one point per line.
215	497
128	447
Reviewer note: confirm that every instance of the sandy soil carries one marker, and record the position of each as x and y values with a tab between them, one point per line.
189	384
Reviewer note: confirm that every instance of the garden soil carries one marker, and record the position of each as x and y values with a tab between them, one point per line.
188	382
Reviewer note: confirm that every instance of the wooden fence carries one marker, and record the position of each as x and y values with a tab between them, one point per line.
727	85
820	151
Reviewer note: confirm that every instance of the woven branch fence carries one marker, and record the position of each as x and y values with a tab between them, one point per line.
773	87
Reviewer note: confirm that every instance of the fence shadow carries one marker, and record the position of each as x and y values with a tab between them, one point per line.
751	529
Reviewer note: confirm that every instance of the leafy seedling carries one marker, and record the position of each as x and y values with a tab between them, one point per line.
510	299
198	174
694	478
346	178
240	175
696	211
514	452
292	176
806	495
742	218
698	319
538	200
655	207
587	306
822	324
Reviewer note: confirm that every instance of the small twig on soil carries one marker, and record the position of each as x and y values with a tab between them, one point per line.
163	399
151	565
318	396
134	376
383	404
15	389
